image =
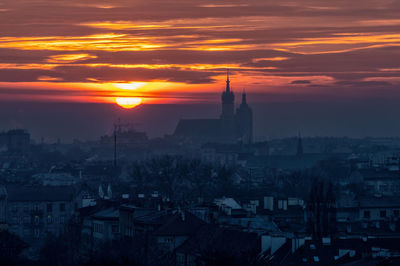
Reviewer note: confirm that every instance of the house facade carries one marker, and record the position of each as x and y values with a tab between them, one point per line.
33	212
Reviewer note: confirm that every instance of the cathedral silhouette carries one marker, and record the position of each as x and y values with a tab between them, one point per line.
231	127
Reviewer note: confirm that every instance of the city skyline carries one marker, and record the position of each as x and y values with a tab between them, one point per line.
195	132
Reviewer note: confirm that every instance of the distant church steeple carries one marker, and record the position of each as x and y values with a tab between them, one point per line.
244	121
228	99
299	146
244	101
231	127
228	87
228	110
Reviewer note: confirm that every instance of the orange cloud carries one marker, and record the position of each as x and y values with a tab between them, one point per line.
182	49
68	58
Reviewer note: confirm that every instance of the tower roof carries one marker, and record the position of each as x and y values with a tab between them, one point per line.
227	96
244	101
228	88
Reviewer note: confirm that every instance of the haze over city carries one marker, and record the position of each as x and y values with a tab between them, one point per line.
334	59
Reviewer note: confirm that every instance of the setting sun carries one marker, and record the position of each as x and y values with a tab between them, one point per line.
128	102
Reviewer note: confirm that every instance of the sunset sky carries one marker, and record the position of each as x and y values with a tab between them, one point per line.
165	51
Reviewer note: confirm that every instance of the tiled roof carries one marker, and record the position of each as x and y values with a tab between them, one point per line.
212	238
107	214
150	216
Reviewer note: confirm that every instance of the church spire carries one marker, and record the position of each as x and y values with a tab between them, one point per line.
228	105
227	81
244	101
299	146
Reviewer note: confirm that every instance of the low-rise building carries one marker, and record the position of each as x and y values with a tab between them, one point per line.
177	229
105	224
379	209
32	212
378	181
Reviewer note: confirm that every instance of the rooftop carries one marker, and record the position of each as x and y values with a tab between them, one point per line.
180	224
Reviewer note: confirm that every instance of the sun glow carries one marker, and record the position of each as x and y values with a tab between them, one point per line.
128	102
130	86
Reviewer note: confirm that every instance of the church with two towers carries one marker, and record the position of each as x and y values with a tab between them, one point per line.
230	127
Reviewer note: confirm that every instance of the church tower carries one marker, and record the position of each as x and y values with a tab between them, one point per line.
244	121
299	151
227	115
228	99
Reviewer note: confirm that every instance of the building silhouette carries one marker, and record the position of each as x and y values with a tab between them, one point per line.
244	121
17	141
231	127
299	151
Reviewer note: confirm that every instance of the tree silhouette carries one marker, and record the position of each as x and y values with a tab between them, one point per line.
321	210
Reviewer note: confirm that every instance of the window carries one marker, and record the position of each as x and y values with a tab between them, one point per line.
382	214
37	220
49	220
49	207
396	213
367	214
62	207
62	219
98	228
